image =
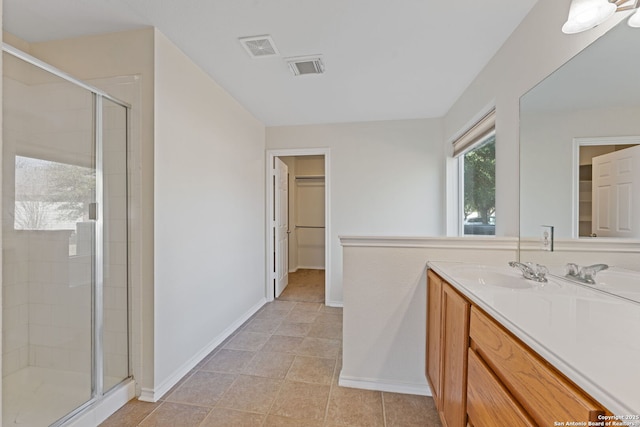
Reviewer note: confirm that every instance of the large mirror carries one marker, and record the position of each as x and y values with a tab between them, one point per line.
580	157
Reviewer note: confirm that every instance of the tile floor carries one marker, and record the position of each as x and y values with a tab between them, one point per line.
304	285
280	368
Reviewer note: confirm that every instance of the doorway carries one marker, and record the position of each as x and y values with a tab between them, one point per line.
306	256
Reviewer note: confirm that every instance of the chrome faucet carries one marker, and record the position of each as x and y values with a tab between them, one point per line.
531	271
584	274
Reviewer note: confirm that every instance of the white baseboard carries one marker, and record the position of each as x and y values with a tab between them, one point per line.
379	385
310	267
334	303
152	395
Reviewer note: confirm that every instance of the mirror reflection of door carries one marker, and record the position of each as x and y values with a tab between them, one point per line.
603	208
616	177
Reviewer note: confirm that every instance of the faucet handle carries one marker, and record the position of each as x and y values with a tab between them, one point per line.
572	269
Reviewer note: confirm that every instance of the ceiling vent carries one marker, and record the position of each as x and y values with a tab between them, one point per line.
259	46
303	65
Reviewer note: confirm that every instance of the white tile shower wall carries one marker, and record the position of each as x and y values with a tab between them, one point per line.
59	303
15	292
15	326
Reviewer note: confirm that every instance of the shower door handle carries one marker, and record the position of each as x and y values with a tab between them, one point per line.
93	211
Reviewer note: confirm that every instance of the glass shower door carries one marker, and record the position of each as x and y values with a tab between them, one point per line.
49	232
114	172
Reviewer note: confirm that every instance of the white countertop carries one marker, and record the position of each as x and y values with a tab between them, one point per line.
591	337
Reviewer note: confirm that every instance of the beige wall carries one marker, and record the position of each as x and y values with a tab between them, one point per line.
385	305
387	178
209	214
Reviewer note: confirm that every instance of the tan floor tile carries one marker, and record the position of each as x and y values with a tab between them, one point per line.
408	410
331	310
272	313
223	417
178	384
278	421
282	344
307	306
249	341
229	361
326	330
281	305
271	365
251	394
302	316
354	407
312	370
319	347
265	326
301	401
131	414
292	329
202	388
326	317
170	414
338	370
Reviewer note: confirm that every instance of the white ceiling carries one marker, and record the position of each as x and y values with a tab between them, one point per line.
384	59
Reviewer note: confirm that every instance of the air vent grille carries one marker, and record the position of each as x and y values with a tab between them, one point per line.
306	65
259	46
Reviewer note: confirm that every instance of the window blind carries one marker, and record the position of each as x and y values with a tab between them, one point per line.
476	134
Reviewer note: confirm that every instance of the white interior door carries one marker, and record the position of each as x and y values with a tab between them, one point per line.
616	177
281	226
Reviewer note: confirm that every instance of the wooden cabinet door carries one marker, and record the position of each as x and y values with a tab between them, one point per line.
455	342
434	321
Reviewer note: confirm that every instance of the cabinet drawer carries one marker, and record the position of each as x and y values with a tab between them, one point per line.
543	392
488	401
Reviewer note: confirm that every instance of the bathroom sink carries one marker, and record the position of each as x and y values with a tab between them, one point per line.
491	276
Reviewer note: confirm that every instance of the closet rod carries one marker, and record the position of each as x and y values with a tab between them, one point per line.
309	226
310	177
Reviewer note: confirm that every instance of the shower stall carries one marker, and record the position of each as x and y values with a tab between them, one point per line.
65	306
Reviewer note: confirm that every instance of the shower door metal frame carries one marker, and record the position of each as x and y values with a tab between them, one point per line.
97	295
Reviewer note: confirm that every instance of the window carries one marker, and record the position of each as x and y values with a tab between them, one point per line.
51	196
476	154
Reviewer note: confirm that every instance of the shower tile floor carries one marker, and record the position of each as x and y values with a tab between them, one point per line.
280	368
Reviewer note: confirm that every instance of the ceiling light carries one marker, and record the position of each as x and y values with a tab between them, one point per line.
259	46
303	65
634	21
586	14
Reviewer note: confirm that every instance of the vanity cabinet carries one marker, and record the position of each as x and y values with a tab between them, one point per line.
482	375
448	332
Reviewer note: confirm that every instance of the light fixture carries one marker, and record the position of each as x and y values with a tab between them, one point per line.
586	14
634	21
